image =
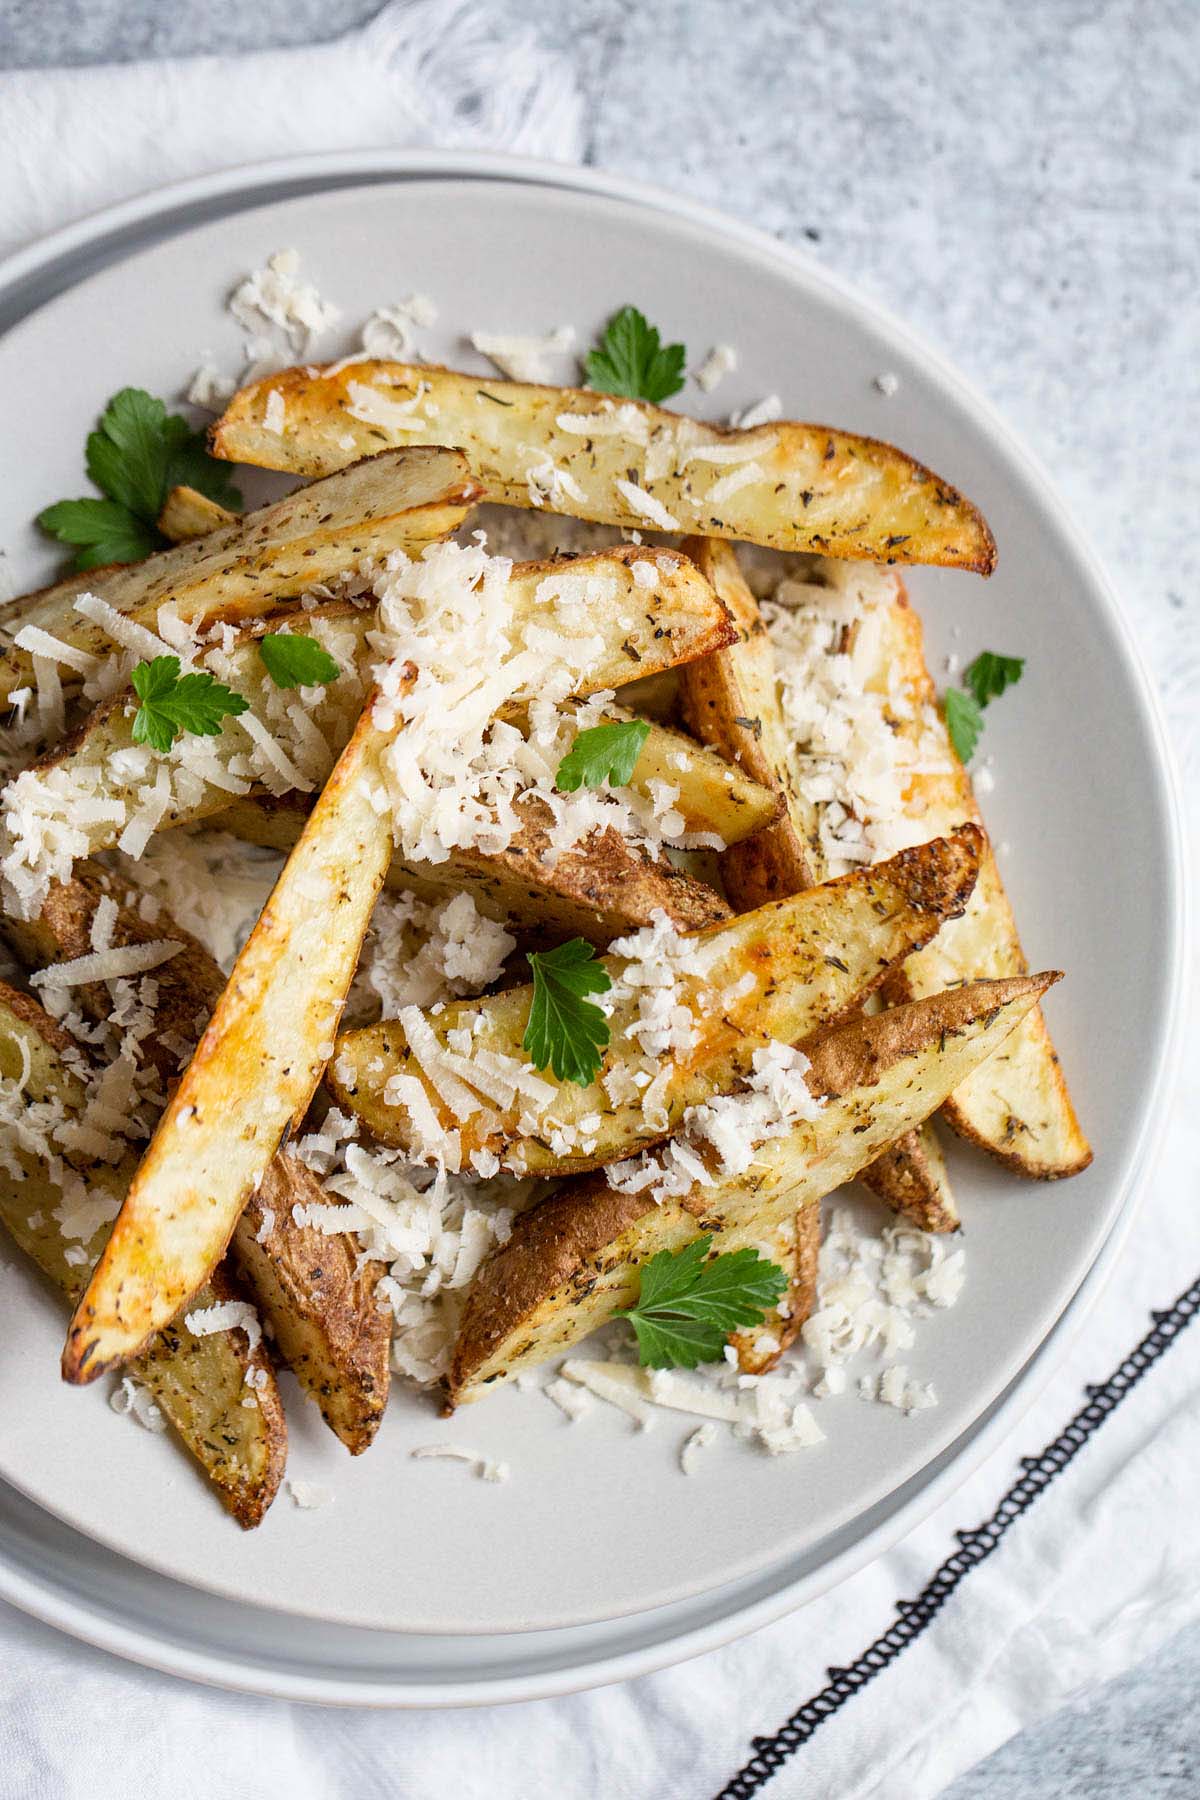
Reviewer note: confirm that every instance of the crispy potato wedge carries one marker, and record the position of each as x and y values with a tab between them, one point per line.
572	1260
329	1327
188	514
200	1383
796	1248
731	700
395	501
811	958
602	887
253	1074
683	620
307	1284
1018	1108
625	463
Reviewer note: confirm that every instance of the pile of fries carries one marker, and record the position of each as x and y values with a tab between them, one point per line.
903	982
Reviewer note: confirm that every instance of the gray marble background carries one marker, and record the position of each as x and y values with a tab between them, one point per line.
1020	179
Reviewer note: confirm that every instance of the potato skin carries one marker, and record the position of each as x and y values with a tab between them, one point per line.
252	1076
201	1383
813	957
306	1283
572	1261
731	700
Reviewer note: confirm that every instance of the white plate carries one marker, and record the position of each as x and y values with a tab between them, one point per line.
596	1523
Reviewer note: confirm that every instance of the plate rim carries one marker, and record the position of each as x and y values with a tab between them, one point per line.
245	186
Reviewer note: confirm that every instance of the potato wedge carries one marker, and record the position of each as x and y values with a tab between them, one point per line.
796	1247
101	766
599	889
777	973
307	1284
625	463
1018	1108
253	1074
400	500
188	514
731	700
200	1383
572	1261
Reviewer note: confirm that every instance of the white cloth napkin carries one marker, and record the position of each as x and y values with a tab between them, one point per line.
1093	1576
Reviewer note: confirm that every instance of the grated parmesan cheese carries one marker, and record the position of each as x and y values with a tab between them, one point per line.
135	1400
482	1466
763	412
721	361
646	506
524	358
226	1315
282	316
309	1496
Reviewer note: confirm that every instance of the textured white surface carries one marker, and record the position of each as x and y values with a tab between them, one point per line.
1019	183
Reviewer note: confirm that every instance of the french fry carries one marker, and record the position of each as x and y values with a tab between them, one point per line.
598	889
810	960
189	514
731	700
625	463
683	620
306	1283
253	1074
400	500
200	1383
573	1260
796	1249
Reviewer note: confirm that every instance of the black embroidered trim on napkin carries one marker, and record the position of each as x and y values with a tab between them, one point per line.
770	1753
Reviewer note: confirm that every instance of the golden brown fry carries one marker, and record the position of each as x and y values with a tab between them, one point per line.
731	701
625	463
307	1284
398	500
600	888
796	1249
189	514
1018	1107
683	619
812	958
201	1383
253	1074
573	1260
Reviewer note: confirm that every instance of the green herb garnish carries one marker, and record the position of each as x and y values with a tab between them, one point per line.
964	722
990	673
567	1032
138	454
605	753
292	661
987	678
631	361
687	1305
171	703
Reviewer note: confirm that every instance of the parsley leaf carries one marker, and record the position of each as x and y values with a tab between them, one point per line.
102	530
964	722
137	454
566	1032
632	362
990	673
987	677
293	661
688	1303
604	753
171	703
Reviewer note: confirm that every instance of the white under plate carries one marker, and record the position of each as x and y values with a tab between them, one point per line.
596	1523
